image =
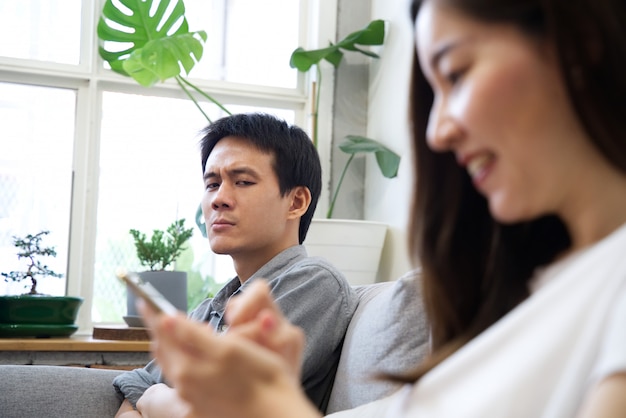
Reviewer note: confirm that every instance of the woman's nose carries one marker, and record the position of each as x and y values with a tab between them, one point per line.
442	132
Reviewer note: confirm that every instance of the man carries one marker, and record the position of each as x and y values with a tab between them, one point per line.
262	182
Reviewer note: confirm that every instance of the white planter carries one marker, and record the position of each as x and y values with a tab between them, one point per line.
354	247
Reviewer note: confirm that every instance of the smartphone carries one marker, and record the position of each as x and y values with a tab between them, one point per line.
147	292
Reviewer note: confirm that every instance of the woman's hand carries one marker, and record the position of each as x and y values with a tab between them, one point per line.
255	316
250	371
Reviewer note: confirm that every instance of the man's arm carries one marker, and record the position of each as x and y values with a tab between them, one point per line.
134	384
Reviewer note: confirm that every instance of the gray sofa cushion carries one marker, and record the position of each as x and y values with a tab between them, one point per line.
388	333
57	392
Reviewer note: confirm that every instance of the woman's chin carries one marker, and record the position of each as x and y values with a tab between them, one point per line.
506	211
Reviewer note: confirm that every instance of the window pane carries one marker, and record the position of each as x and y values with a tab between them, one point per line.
150	175
43	30
249	41
36	137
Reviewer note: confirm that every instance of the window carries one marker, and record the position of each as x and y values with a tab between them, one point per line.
89	154
37	125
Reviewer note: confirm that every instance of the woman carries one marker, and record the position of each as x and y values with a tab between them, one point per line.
519	220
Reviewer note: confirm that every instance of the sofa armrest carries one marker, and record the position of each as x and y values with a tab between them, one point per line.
57	391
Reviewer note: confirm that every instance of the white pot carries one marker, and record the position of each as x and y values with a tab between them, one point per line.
353	246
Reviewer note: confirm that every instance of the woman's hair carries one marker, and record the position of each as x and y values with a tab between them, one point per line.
475	269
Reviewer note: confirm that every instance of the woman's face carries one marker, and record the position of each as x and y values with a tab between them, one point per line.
501	107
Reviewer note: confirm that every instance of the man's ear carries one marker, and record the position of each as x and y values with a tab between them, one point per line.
300	201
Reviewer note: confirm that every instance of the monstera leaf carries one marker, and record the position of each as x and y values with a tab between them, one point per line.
388	161
149	48
372	34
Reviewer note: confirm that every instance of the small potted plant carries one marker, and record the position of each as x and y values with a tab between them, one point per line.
159	253
33	313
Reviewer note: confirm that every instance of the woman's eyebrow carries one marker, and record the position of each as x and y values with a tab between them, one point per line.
444	49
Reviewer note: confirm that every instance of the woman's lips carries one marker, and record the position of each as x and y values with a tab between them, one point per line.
478	165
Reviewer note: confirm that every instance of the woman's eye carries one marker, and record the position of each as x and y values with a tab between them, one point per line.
453	77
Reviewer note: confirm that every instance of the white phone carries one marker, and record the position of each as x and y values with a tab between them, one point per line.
147	292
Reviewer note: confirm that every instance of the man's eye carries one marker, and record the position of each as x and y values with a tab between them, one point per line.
211	186
244	183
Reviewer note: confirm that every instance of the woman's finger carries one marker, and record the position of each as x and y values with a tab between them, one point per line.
247	306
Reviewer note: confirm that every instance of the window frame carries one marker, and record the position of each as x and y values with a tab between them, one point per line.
90	79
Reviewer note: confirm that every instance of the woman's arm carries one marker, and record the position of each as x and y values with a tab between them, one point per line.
127	411
607	399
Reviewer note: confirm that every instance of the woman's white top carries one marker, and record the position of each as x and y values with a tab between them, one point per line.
541	359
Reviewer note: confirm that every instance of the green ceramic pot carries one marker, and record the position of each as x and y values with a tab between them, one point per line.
39	309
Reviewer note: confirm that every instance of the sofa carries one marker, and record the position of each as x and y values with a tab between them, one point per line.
388	333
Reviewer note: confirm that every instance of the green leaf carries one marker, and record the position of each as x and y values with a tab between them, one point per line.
159	60
200	221
304	60
372	34
150	48
163	248
388	161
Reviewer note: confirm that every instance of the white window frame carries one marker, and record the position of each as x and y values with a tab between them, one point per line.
90	79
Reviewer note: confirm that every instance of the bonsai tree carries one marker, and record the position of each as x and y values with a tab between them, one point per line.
303	60
30	248
163	248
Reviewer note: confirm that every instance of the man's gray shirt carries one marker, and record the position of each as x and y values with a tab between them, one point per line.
310	292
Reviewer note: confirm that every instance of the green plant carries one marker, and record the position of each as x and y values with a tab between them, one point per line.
163	248
302	60
31	249
152	48
145	52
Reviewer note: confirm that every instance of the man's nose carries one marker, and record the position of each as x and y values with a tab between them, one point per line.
222	197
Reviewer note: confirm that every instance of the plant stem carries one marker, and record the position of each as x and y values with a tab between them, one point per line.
317	104
218	104
329	214
193	99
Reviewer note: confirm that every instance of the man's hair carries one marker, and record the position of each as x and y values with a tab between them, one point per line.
295	158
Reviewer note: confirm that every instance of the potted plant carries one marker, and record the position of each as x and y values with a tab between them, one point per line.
355	247
35	314
303	60
159	253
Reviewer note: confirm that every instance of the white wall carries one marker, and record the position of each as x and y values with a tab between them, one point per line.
389	200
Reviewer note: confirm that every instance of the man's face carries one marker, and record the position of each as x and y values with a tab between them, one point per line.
244	212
